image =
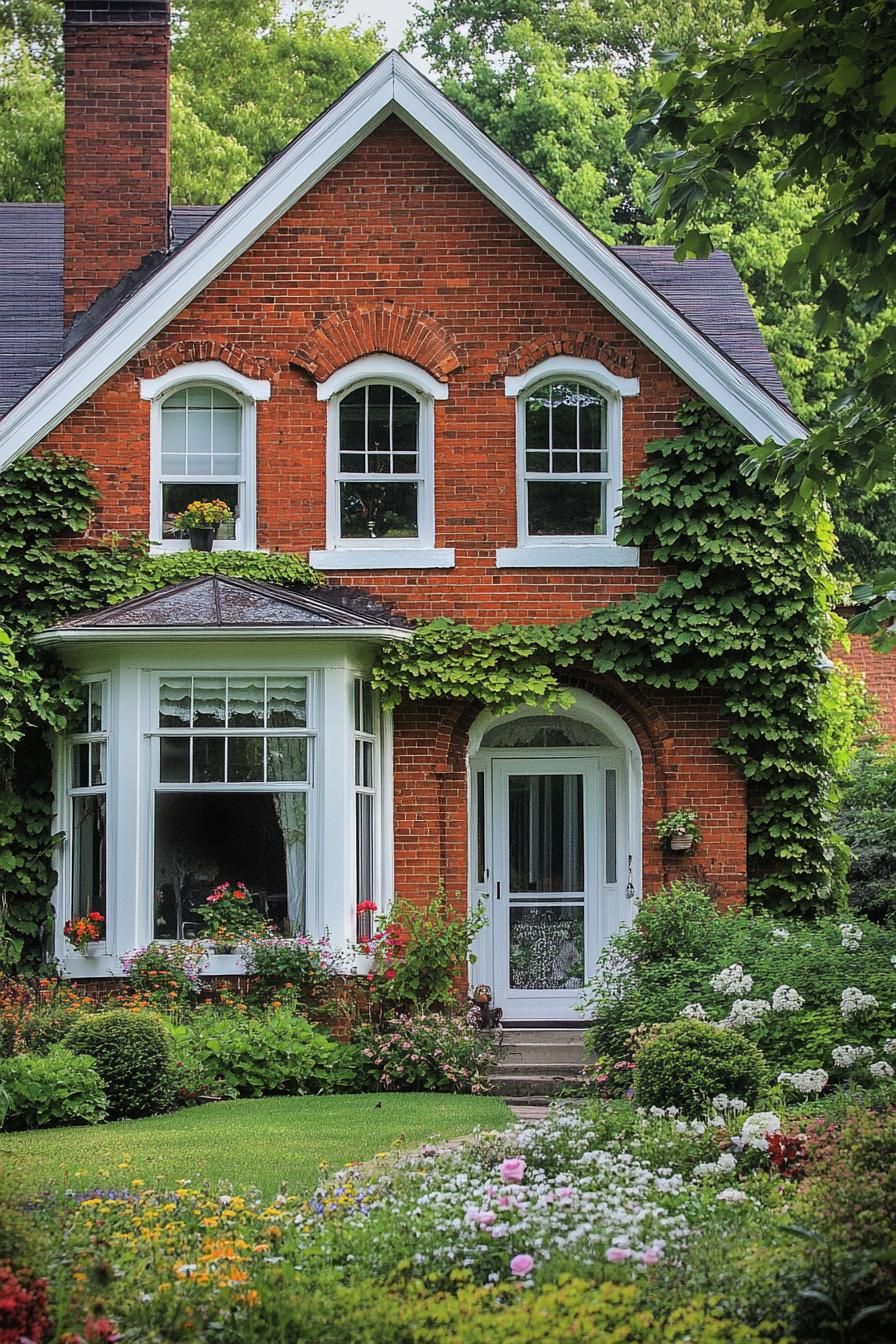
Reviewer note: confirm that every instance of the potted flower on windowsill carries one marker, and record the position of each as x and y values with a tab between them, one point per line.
201	520
362	961
84	930
679	830
228	917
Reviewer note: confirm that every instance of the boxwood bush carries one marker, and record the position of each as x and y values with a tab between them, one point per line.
134	1058
58	1088
685	1064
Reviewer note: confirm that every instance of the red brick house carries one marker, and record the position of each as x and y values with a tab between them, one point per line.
393	352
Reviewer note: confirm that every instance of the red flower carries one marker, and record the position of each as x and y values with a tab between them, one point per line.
390	975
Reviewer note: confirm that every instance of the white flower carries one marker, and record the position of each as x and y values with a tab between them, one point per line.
732	980
853	1002
810	1080
786	1000
890	1045
844	1056
730	1196
725	1103
850	937
756	1126
781	934
695	1010
747	1012
881	1069
726	1162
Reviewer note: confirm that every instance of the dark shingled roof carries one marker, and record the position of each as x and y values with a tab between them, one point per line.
217	602
708	293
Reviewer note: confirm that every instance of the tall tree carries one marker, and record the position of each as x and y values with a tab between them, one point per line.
818	87
245	78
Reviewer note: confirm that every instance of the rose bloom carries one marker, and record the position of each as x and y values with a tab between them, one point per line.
512	1170
521	1265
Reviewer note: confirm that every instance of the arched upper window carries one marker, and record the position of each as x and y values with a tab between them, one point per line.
569	464
566	468
202	436
381	466
379	476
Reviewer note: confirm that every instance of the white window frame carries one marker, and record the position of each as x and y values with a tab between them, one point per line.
69	791
248	392
310	733
418	552
573	551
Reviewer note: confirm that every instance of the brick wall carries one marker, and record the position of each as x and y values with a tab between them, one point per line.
116	143
394	250
879	673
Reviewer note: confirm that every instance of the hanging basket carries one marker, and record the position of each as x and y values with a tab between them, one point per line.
681	844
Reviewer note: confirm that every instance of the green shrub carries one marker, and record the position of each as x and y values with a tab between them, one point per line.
330	1313
812	957
134	1058
677	921
263	1056
426	1052
296	967
61	1087
686	1064
419	953
867	823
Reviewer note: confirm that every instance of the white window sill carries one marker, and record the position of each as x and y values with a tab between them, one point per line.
563	555
396	557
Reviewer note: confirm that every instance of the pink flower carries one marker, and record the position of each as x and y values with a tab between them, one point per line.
618	1254
651	1256
521	1265
512	1170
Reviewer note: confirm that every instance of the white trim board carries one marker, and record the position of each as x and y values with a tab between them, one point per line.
394	87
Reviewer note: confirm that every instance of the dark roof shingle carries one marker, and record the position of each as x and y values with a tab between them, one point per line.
707	293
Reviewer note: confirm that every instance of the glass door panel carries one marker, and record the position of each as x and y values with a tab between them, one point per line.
546	833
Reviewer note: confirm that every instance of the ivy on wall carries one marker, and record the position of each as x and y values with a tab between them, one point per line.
743	613
45	503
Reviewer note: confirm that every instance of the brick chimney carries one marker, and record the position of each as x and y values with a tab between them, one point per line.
116	142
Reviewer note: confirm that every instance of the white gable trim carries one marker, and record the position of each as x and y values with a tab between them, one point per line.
393	86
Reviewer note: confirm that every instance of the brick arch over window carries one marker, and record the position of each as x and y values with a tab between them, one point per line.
388	328
194	352
580	344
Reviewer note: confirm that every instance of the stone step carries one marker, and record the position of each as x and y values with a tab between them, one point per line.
527	1065
543	1036
546	1053
528	1084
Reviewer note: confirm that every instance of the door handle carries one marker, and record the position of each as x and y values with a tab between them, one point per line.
497	891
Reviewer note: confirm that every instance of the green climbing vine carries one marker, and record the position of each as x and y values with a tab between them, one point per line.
745	614
45	504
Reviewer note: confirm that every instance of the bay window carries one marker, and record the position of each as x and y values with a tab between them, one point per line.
87	780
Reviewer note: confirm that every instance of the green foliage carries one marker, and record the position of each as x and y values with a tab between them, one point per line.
420	953
245	79
686	1064
817	87
641	980
867	823
133	1057
165	976
62	1087
426	1052
287	966
743	615
276	1053
678	921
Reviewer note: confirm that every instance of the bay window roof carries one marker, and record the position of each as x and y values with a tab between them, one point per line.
215	604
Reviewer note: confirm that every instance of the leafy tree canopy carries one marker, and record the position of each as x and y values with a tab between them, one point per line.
245	79
818	86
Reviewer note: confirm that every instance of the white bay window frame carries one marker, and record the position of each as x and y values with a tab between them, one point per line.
360	553
132	669
570	552
247	392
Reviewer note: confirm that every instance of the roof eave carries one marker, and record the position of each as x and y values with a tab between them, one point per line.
98	634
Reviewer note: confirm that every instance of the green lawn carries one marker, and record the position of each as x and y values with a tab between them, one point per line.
279	1140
